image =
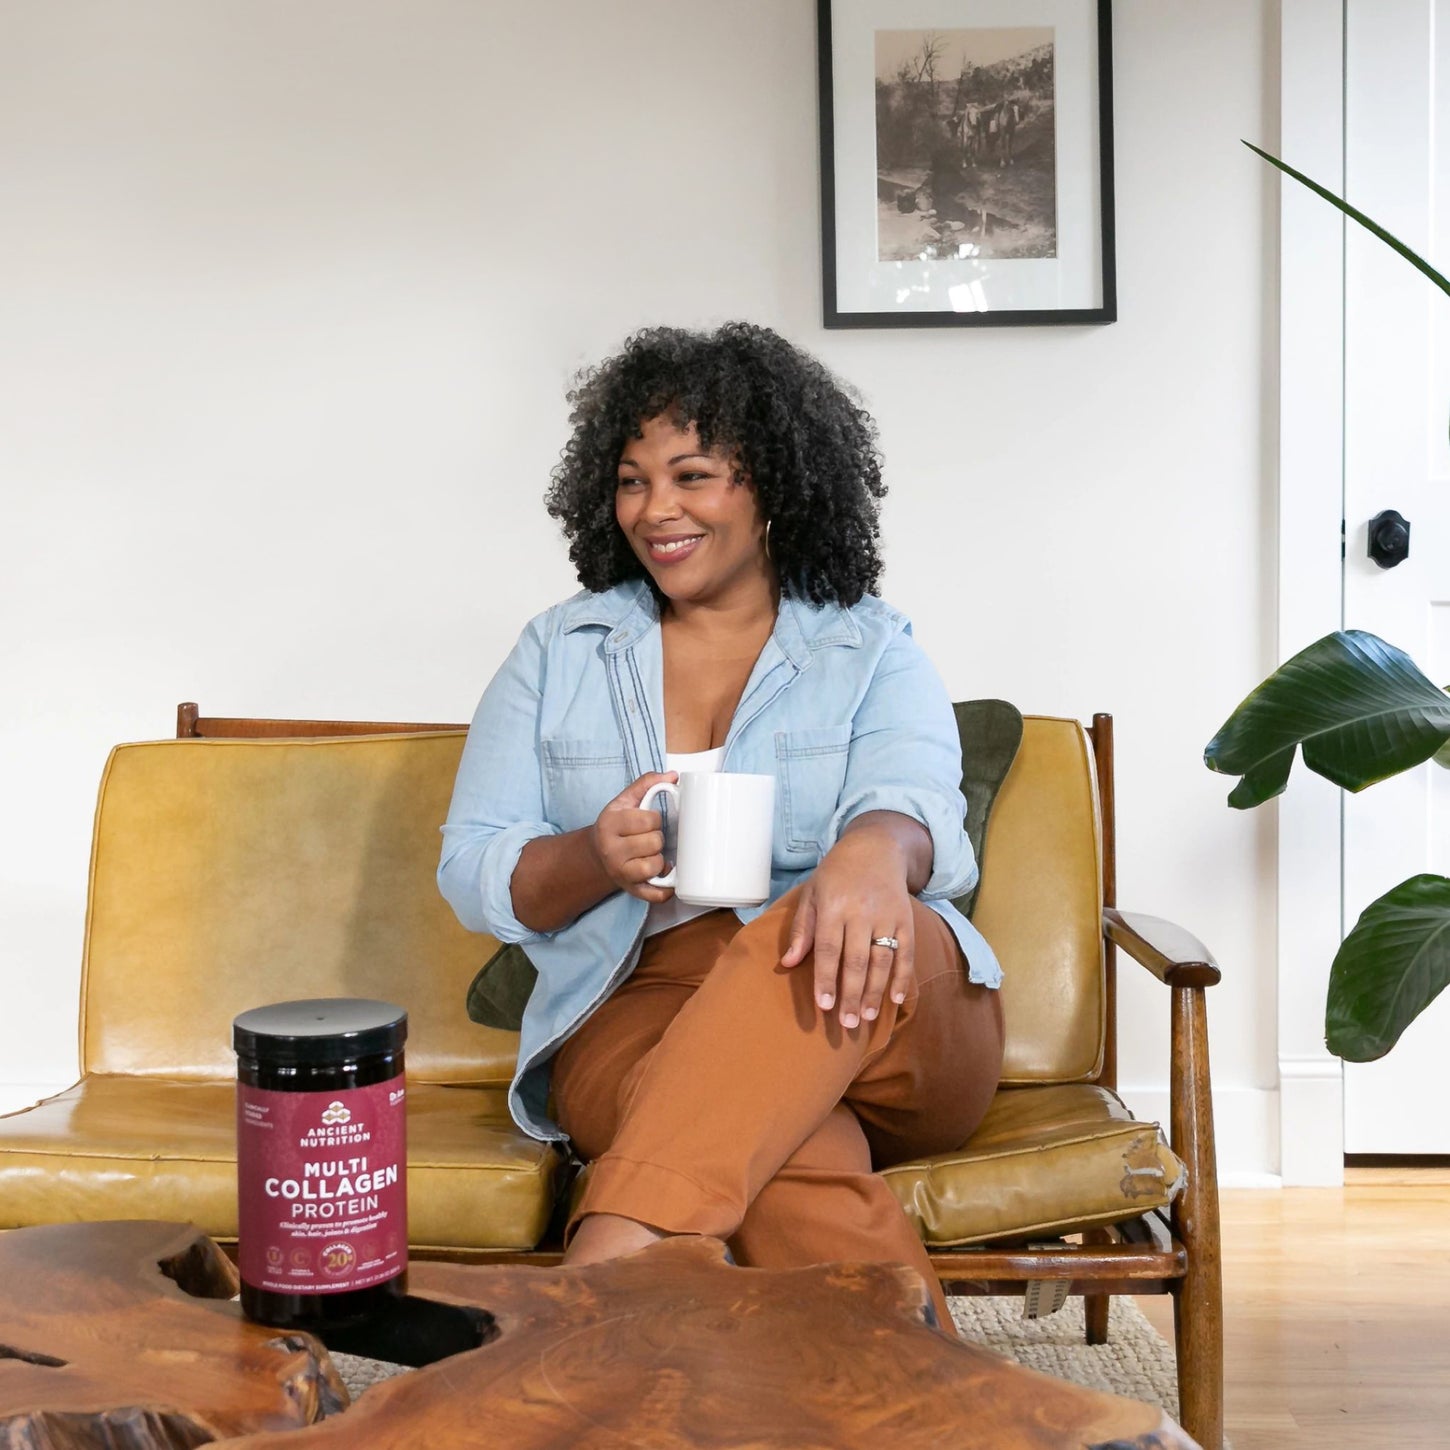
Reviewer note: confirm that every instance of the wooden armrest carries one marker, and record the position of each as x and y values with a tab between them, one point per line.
1170	953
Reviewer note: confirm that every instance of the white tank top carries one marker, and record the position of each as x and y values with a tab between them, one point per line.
665	914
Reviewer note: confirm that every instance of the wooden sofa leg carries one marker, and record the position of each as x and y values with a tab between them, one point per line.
1198	1296
1096	1308
1197	1327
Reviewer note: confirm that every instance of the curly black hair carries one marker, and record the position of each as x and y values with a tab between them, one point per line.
798	435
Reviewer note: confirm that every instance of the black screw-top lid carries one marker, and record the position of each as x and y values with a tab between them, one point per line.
320	1030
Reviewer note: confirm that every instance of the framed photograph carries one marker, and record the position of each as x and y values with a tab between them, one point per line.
966	162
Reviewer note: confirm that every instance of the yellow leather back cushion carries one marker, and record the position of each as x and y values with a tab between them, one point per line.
1040	905
230	873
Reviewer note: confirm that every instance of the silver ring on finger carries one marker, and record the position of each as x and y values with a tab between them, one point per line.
889	942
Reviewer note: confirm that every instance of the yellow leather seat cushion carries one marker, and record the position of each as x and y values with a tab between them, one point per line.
120	1146
1045	1161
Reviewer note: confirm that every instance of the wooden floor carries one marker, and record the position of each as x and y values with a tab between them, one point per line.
1337	1313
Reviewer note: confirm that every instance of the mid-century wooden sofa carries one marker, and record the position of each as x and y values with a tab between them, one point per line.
255	861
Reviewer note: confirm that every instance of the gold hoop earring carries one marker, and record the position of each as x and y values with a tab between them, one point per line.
768	554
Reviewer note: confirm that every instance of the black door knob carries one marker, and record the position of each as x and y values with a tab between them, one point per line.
1389	539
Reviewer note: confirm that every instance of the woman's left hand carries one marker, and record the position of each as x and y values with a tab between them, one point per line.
861	890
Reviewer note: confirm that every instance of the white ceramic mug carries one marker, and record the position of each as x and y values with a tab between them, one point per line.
722	850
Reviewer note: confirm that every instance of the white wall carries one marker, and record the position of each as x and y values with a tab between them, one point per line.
291	294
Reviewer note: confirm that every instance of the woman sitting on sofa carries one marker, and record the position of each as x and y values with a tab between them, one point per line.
736	1073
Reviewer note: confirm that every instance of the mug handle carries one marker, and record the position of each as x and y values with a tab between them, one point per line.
662	787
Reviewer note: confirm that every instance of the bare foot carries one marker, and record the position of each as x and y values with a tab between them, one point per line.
604	1236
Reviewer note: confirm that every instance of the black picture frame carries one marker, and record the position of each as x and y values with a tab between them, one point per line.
956	265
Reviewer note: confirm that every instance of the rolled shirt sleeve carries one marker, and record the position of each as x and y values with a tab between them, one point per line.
905	756
498	803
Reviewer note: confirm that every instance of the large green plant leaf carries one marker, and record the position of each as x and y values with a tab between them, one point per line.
1354	213
1357	706
1393	964
1411	256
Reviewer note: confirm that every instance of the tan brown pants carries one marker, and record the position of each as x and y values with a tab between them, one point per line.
715	1098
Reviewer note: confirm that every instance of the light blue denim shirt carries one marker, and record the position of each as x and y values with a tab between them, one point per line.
842	708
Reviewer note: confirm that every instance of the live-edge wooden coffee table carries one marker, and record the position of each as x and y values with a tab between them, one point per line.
124	1334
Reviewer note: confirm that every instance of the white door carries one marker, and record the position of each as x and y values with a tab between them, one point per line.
1397	408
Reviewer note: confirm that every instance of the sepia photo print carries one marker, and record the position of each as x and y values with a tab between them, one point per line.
965	144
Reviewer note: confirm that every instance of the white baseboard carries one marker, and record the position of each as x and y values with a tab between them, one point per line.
1312	1114
17	1095
1245	1130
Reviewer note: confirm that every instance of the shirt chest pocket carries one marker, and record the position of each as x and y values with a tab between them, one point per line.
580	778
810	773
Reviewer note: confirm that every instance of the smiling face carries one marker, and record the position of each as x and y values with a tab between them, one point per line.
696	530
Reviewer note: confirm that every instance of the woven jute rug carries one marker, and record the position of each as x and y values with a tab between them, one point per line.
1136	1361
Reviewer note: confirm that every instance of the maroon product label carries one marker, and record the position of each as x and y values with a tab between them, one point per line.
321	1188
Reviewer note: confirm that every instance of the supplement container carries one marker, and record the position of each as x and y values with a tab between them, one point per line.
321	1160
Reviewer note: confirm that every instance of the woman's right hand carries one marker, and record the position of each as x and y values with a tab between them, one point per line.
630	843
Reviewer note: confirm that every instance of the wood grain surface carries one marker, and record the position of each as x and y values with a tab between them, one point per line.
673	1347
1336	1313
119	1335
123	1336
